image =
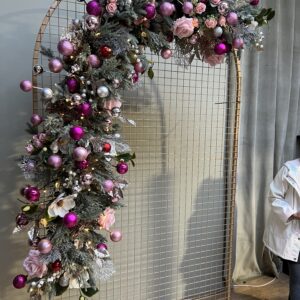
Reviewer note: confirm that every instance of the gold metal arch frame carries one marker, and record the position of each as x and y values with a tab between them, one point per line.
187	252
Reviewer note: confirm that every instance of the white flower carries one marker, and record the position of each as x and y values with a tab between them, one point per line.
253	25
61	206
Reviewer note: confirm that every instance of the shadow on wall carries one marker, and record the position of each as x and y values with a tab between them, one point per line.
202	264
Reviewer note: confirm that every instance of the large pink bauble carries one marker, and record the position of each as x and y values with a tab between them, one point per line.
82	165
167	9
19	281
76	133
238	43
94	61
26	85
138	67
85	109
122	168
55	65
55	161
73	85
70	220
80	154
221	48
108	185
94	8
36	119
116	236
44	246
150	11
187	7
166	53
101	247
65	47
32	194
254	2
232	19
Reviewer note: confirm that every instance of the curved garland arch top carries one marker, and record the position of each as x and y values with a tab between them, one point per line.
76	157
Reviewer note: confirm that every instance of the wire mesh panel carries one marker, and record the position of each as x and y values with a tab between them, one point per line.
177	224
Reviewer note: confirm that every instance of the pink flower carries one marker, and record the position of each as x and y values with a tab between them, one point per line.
110	104
29	148
222	21
183	27
107	219
42	137
111	8
37	144
214	59
214	2
33	264
200	8
211	23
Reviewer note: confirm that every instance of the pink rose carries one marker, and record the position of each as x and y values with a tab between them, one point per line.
107	218
200	8
37	144
214	2
111	8
222	21
183	27
211	23
33	264
110	104
42	137
29	148
214	59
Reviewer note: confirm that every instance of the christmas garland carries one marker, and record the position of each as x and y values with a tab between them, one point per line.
76	156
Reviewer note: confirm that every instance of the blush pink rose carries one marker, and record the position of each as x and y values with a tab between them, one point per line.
29	148
107	218
211	23
214	2
33	264
111	8
200	8
110	104
183	27
222	21
214	59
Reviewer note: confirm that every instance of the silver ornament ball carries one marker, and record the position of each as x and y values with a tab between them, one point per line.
102	91
47	93
38	69
218	31
115	111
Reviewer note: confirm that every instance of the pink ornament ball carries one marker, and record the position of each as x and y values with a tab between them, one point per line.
108	185
73	85
135	77
55	161
238	43
44	246
166	53
55	65
94	8
85	109
167	9
76	133
254	2
36	119
65	47
26	85
150	11
101	247
116	236
80	154
20	281
70	220
122	168
187	7
94	61
138	67
32	194
221	48
232	19
82	165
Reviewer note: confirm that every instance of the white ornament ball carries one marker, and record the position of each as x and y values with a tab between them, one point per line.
218	31
47	93
102	91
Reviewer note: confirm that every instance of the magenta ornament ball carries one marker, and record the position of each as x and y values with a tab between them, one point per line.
80	154
22	219
232	19
138	67
187	7
36	119
122	168
108	185
116	236
101	247
85	109
221	48
44	246
94	8
254	2
20	281
76	133
238	43
26	85
70	220
94	61
32	194
73	85
65	47
166	53
82	165
150	11
55	161
167	9
55	65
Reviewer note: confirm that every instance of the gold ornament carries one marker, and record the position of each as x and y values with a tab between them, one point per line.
44	222
144	34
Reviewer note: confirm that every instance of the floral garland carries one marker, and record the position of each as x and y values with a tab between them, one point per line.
76	156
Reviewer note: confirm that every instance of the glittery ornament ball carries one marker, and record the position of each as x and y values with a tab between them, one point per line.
72	84
56	266
19	281
44	246
166	53
82	165
122	168
116	236
55	65
80	154
167	9
150	11
32	194
26	85
105	51
108	185
70	220
55	161
76	133
106	147
85	109
65	47
94	8
36	119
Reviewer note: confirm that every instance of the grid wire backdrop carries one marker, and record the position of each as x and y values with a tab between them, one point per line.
177	223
